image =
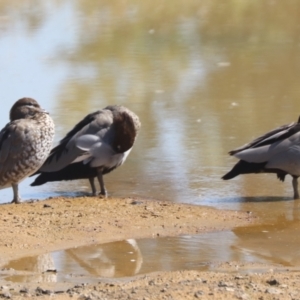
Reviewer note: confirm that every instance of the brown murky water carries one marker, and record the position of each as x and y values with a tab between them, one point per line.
203	77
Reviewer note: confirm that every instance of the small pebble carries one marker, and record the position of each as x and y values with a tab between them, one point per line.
273	291
244	297
24	290
198	294
272	282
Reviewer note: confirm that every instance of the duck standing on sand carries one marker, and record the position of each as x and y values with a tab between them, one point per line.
97	145
25	143
277	151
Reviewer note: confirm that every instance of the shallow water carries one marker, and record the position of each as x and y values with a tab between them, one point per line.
203	77
132	257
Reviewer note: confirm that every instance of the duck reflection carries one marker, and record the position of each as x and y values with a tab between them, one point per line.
117	259
276	242
39	268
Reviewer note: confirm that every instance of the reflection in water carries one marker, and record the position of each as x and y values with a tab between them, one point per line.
277	242
204	77
118	259
39	268
205	252
123	258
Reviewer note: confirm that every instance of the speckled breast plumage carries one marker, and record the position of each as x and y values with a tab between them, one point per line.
30	141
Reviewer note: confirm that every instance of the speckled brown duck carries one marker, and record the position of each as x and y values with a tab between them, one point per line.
97	145
25	143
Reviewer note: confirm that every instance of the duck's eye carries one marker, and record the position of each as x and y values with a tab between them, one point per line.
30	104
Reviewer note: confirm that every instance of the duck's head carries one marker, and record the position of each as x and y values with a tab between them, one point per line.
25	108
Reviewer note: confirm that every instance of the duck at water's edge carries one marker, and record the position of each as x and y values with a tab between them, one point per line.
277	151
25	143
97	145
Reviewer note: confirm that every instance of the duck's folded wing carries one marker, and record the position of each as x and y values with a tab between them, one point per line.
86	143
60	156
98	153
271	152
79	126
287	161
276	135
5	143
67	152
14	145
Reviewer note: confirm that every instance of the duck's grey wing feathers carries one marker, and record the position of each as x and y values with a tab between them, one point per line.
67	151
87	141
274	148
287	160
85	121
276	135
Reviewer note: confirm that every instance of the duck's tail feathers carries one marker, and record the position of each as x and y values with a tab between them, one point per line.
244	167
43	178
70	172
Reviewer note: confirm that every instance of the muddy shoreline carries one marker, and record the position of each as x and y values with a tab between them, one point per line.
61	223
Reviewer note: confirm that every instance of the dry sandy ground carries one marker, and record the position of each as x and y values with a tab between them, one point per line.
61	223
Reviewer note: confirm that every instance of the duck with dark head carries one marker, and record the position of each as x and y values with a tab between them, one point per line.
98	144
